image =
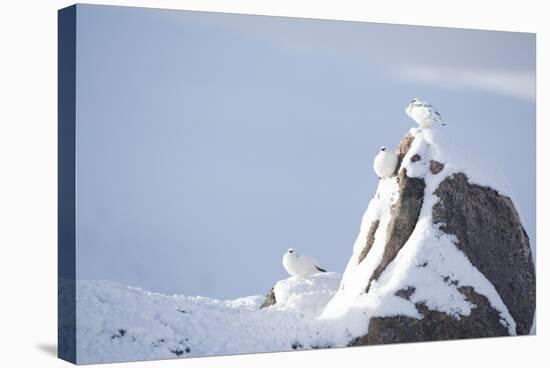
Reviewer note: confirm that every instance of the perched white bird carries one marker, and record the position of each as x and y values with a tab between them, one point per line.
423	113
299	265
385	163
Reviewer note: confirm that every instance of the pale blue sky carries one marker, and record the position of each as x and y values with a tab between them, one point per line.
208	144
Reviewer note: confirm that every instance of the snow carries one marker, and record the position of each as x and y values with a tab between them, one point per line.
118	323
306	295
429	261
353	279
457	157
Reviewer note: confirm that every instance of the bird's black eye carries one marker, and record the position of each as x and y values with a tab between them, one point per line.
414	100
290	251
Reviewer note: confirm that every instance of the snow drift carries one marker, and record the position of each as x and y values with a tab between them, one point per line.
118	323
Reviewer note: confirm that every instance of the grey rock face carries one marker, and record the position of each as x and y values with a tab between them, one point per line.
482	322
370	241
436	167
404	215
491	235
269	299
402	149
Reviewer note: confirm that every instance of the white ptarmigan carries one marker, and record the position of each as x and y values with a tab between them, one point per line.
299	265
423	113
385	163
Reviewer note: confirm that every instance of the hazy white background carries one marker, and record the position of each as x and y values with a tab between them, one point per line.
28	188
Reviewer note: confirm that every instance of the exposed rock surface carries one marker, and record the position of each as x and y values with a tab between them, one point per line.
482	322
402	149
403	220
370	240
491	235
436	167
269	299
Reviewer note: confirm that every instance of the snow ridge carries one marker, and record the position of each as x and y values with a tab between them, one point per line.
118	323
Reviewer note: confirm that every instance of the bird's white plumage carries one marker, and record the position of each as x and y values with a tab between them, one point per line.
385	163
423	113
300	265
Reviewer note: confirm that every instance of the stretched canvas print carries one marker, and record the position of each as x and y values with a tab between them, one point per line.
236	184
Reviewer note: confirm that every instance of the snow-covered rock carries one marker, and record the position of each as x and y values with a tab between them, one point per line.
306	295
438	256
